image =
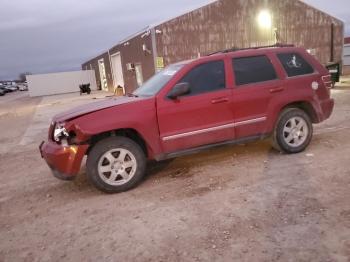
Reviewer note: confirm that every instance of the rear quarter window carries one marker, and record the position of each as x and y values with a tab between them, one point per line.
294	64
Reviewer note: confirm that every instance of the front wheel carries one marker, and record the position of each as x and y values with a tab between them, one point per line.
116	164
293	131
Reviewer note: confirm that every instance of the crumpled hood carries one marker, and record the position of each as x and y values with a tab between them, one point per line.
93	107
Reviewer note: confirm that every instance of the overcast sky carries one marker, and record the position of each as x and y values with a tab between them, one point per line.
43	36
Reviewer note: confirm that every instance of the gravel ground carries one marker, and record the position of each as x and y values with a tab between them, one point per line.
234	203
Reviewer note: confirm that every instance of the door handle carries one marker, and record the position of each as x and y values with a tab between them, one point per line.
277	89
219	100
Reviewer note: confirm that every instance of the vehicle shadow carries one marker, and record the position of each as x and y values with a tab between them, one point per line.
182	167
154	167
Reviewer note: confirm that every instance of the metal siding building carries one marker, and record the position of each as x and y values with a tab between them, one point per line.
221	25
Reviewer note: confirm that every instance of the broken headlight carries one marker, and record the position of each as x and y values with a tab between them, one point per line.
60	132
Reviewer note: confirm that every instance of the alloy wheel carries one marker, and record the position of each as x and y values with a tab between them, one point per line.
295	131
117	166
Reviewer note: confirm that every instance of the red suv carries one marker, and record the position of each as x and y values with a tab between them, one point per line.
224	98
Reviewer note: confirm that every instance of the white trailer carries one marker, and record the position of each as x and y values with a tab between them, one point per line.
60	83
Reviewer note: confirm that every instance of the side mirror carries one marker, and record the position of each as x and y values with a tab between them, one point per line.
179	89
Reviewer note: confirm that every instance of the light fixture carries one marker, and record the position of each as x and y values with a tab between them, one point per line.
147	33
145	49
264	19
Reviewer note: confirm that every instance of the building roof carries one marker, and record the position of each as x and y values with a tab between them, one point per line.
347	40
154	25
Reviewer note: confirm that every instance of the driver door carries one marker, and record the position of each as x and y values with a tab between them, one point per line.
201	117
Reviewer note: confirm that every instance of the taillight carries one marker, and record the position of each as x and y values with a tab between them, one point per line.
327	81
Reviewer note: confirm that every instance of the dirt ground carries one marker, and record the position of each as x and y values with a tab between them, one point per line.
234	203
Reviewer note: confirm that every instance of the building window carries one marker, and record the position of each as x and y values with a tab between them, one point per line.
294	64
253	69
205	78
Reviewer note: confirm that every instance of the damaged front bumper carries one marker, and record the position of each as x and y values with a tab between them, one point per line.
64	161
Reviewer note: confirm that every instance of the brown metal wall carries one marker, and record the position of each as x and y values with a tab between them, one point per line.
233	23
95	67
131	52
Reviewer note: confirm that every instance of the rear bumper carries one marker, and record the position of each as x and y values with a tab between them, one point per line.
327	107
64	161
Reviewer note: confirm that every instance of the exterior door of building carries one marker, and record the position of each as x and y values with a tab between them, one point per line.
139	75
117	68
103	78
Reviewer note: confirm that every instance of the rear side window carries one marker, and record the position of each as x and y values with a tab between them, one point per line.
205	78
294	64
253	69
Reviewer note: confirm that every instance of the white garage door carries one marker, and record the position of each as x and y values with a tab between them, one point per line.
117	70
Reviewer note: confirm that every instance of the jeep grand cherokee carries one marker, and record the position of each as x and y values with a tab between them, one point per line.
224	98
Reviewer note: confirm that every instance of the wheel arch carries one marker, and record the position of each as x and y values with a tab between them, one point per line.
276	110
125	132
305	106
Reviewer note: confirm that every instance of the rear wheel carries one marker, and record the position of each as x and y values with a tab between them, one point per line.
293	132
116	164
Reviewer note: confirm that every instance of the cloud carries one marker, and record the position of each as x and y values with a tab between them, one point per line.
44	36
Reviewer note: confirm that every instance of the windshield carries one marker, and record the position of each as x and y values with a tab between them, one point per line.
158	81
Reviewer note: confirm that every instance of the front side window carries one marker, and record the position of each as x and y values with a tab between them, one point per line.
294	64
205	78
253	69
158	81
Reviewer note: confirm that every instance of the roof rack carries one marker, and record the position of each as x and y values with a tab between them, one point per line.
234	49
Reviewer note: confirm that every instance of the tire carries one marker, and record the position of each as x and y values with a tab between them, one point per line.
116	164
293	131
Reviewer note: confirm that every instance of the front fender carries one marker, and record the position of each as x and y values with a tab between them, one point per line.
142	119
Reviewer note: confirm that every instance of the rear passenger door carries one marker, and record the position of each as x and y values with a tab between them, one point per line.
256	83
